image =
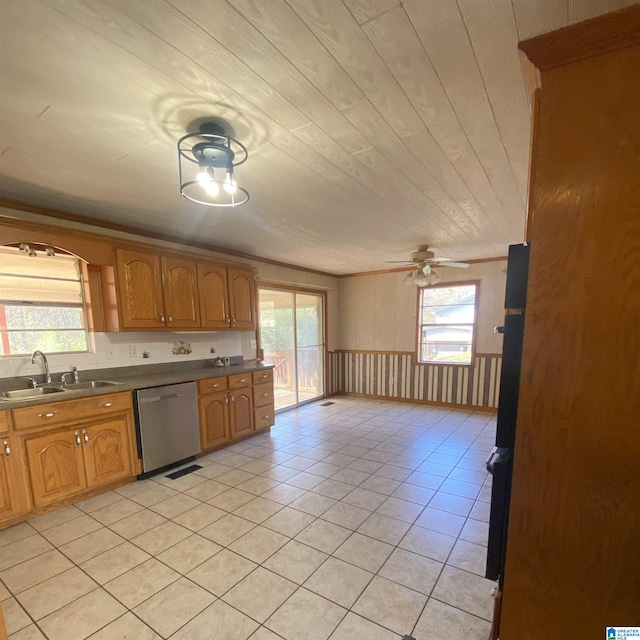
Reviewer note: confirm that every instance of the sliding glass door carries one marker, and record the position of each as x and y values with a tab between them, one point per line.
292	339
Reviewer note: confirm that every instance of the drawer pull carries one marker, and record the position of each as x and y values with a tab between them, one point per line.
77	435
265	417
243	379
264	395
214	386
47	415
85	435
7	449
264	376
106	404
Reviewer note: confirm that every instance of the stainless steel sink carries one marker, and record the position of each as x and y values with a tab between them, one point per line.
26	394
95	384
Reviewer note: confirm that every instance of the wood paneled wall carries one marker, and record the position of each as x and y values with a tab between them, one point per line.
397	376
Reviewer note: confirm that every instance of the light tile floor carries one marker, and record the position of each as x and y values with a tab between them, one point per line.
362	520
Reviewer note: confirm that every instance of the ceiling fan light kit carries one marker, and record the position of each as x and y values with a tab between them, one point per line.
207	162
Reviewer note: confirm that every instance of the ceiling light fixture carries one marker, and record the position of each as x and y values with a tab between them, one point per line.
212	156
422	277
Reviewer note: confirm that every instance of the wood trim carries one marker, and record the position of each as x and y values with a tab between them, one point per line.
603	34
411	268
450	405
188	242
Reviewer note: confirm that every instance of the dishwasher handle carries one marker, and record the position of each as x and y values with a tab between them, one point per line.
158	398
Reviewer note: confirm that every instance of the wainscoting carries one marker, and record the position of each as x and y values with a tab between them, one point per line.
397	376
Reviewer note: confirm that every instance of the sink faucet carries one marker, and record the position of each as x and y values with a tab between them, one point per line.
74	373
44	362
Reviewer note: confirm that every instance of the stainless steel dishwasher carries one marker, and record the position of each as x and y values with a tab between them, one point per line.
167	421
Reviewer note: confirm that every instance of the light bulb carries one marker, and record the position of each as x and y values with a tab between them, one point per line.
203	177
211	188
230	185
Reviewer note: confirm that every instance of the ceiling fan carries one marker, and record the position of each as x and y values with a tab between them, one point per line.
424	259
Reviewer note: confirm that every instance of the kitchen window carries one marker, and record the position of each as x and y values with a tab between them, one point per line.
446	323
41	301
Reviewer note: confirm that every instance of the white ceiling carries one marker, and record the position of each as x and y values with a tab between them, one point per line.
372	125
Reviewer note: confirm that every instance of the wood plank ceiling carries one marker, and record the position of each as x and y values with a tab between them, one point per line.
372	125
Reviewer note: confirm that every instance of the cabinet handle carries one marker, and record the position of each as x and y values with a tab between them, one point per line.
170	319
105	404
162	318
228	319
77	438
233	400
85	435
233	320
47	415
226	399
7	449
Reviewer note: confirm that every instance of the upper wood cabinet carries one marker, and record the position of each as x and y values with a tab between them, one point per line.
164	292
242	297
157	292
227	297
141	301
214	296
180	278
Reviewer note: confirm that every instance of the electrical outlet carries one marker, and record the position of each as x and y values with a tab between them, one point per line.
109	353
133	351
390	379
212	350
253	344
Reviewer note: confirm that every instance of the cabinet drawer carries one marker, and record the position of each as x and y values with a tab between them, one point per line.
263	376
239	380
263	395
5	421
264	417
55	413
212	385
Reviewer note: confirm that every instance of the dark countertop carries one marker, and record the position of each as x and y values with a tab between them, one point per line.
154	376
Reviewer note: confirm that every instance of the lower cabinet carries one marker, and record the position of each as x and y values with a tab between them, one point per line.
213	412
235	406
68	461
12	501
241	412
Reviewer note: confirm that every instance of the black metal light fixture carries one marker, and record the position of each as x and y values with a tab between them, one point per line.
207	162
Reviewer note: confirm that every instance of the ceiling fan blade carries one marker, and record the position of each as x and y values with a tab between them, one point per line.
399	262
446	263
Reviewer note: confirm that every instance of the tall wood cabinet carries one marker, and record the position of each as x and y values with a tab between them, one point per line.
573	557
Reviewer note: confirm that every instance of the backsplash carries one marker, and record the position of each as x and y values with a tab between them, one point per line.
127	349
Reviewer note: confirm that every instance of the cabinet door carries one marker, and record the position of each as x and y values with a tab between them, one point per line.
11	481
6	497
180	281
214	299
55	465
107	452
140	290
242	296
214	420
241	412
